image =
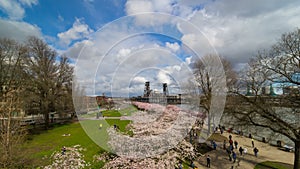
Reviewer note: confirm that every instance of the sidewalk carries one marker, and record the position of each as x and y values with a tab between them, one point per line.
220	159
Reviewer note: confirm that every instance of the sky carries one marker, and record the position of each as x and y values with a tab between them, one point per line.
118	45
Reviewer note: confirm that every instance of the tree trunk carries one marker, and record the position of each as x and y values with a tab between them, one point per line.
297	155
209	124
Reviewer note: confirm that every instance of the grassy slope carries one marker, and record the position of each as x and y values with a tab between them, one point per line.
52	140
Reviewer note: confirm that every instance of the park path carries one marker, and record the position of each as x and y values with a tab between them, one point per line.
220	159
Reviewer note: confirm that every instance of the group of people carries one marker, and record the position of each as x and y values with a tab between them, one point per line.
231	149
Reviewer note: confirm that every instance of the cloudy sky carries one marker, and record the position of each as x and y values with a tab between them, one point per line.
117	45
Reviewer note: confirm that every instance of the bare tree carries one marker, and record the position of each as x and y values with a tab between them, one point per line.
12	82
50	77
212	74
278	114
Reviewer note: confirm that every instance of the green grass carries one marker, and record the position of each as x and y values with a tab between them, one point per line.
44	144
121	124
89	115
52	140
111	113
128	110
273	165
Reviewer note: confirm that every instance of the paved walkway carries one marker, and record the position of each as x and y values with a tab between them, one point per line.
220	159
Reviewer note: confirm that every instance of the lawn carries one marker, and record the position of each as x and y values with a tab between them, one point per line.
273	165
44	144
128	111
111	113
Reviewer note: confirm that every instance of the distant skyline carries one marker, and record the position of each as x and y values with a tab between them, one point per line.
236	30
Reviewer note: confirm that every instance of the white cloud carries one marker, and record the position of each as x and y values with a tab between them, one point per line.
18	30
238	30
138	6
123	52
173	46
29	2
78	31
174	7
236	35
15	9
171	7
139	79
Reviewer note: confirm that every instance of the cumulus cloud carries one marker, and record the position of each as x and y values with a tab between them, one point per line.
183	9
238	30
78	31
139	79
18	30
122	60
15	9
173	46
235	30
171	7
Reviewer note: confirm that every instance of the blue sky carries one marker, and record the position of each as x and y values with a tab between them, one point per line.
84	30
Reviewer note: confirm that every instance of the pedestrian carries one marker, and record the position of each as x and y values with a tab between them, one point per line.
245	151
230	136
221	130
236	144
255	150
231	147
63	150
233	156
230	142
241	150
229	153
252	141
192	164
180	165
250	135
214	145
208	161
224	144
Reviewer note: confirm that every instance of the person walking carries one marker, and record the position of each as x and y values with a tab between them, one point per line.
245	151
252	141
241	150
63	150
180	165
229	153
192	164
208	161
236	144
255	150
230	142
214	145
233	156
224	144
